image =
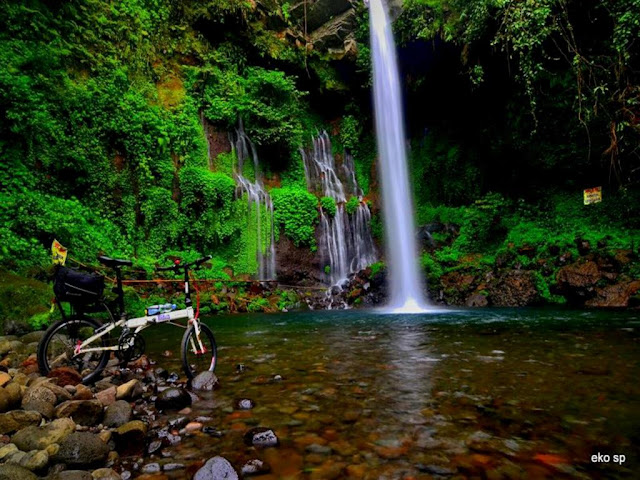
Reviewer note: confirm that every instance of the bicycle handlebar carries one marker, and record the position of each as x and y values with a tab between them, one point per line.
185	266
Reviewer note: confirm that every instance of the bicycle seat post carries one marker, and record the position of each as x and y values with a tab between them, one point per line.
187	289
118	290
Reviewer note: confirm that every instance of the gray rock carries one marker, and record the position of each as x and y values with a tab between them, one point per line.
32	337
117	414
18	419
83	412
261	437
40	399
216	468
254	467
170	467
15	458
62	394
39	438
82	448
150	468
317	448
16	472
245	404
173	399
205	381
72	475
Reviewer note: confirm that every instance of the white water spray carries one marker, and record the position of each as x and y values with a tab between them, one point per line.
405	281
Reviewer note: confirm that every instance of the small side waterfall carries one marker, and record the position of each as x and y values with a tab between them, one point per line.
405	280
259	202
345	245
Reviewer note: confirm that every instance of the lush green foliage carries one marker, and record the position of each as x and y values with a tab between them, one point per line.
352	205
295	210
266	100
328	204
575	65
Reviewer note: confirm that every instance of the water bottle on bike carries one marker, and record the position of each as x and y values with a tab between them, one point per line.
156	309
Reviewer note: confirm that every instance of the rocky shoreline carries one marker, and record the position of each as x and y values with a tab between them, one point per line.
595	278
56	428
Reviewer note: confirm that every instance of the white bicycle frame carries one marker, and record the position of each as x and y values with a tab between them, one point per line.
139	324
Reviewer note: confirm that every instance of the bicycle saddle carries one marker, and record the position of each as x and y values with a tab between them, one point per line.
114	262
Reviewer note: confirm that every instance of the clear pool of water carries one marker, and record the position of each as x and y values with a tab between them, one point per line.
467	394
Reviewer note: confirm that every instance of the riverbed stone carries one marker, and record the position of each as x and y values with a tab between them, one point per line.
254	467
18	419
105	474
32	337
117	414
16	472
4	378
82	448
216	468
83	412
72	475
107	396
245	404
80	392
35	460
14	394
7	450
205	381
173	399
261	437
41	400
61	393
129	438
131	390
15	458
38	438
150	468
65	376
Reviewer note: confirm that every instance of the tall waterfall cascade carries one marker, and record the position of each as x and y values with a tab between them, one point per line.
259	202
345	242
405	282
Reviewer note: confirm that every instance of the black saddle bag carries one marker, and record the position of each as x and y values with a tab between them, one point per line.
76	287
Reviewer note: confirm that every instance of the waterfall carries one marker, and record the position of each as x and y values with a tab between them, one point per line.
345	241
405	281
259	202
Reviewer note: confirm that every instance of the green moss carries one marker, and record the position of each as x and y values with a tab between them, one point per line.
25	302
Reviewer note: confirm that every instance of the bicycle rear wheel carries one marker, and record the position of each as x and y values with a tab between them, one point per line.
198	354
57	348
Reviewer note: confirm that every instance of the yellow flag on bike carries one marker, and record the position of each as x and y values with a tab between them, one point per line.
58	253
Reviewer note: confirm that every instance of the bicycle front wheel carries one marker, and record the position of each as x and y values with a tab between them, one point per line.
57	348
199	353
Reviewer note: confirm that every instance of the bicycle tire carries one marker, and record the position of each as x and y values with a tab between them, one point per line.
203	361
55	343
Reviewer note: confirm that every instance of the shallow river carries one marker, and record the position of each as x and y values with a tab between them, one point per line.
466	394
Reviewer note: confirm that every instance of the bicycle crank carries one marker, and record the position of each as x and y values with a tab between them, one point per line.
130	347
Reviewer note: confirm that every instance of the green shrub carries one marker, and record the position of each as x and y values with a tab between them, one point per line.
352	205
295	210
328	204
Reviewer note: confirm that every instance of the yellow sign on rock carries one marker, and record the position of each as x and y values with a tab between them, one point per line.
58	253
592	195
